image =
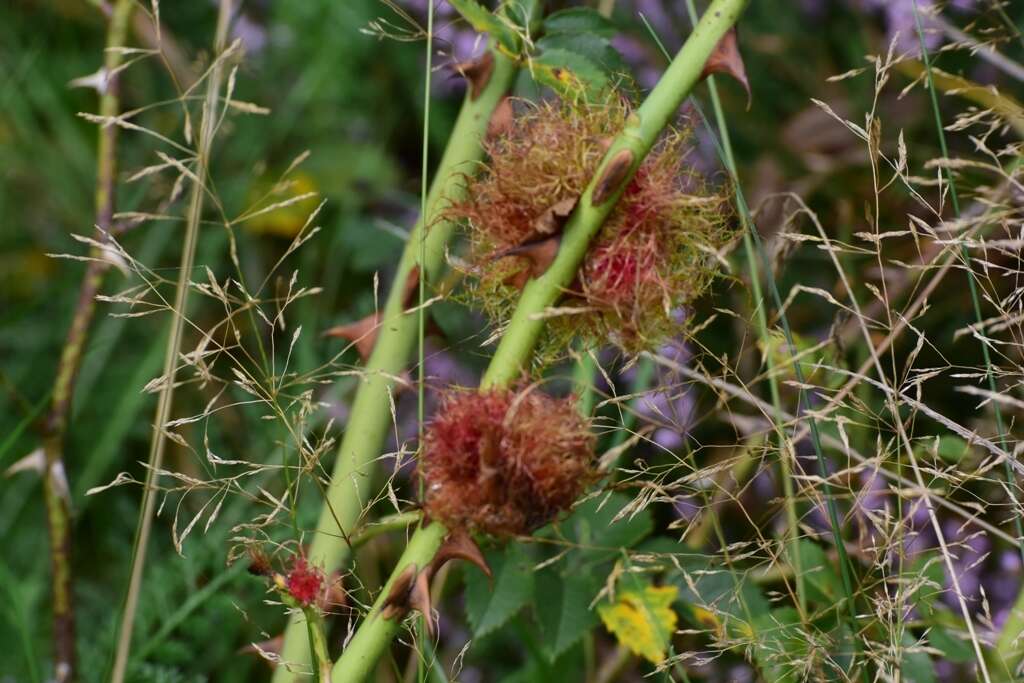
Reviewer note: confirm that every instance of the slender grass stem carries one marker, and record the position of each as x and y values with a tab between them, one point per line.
1007	657
516	347
972	283
207	131
754	252
55	487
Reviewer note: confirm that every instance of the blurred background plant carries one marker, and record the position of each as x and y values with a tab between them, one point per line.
699	496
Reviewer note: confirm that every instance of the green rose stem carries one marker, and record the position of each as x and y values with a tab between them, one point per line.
55	488
515	350
370	418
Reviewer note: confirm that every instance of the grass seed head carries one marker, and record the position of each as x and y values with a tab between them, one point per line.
505	462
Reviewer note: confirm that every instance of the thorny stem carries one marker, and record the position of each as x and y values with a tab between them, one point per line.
373	636
207	130
370	417
55	487
517	344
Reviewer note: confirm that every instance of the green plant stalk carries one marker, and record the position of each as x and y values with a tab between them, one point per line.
318	644
370	418
583	372
55	488
516	347
207	130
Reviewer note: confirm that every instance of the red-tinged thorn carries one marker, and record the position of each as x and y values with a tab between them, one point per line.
477	72
459	545
335	596
396	604
419	599
539	254
613	177
726	59
362	333
412	287
501	119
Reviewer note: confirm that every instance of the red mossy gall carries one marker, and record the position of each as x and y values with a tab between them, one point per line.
305	582
654	254
505	462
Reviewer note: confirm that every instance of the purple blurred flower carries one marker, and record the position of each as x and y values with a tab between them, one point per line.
901	23
668	404
969	546
454	42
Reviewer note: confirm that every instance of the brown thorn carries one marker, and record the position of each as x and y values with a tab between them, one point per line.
726	59
540	254
614	175
501	119
419	599
554	217
362	333
396	604
403	383
477	72
412	286
459	545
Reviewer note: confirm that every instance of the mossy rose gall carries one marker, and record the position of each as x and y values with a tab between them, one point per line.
654	254
505	462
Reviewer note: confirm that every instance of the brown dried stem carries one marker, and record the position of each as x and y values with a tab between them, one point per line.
55	487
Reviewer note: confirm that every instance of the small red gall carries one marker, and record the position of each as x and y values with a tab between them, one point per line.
304	583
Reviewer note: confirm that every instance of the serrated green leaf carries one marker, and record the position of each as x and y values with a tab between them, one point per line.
780	651
562	607
593	47
569	74
952	448
591	527
488	607
579	20
485	21
730	606
925	578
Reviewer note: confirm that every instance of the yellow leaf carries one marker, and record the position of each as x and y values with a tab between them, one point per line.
280	210
642	620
